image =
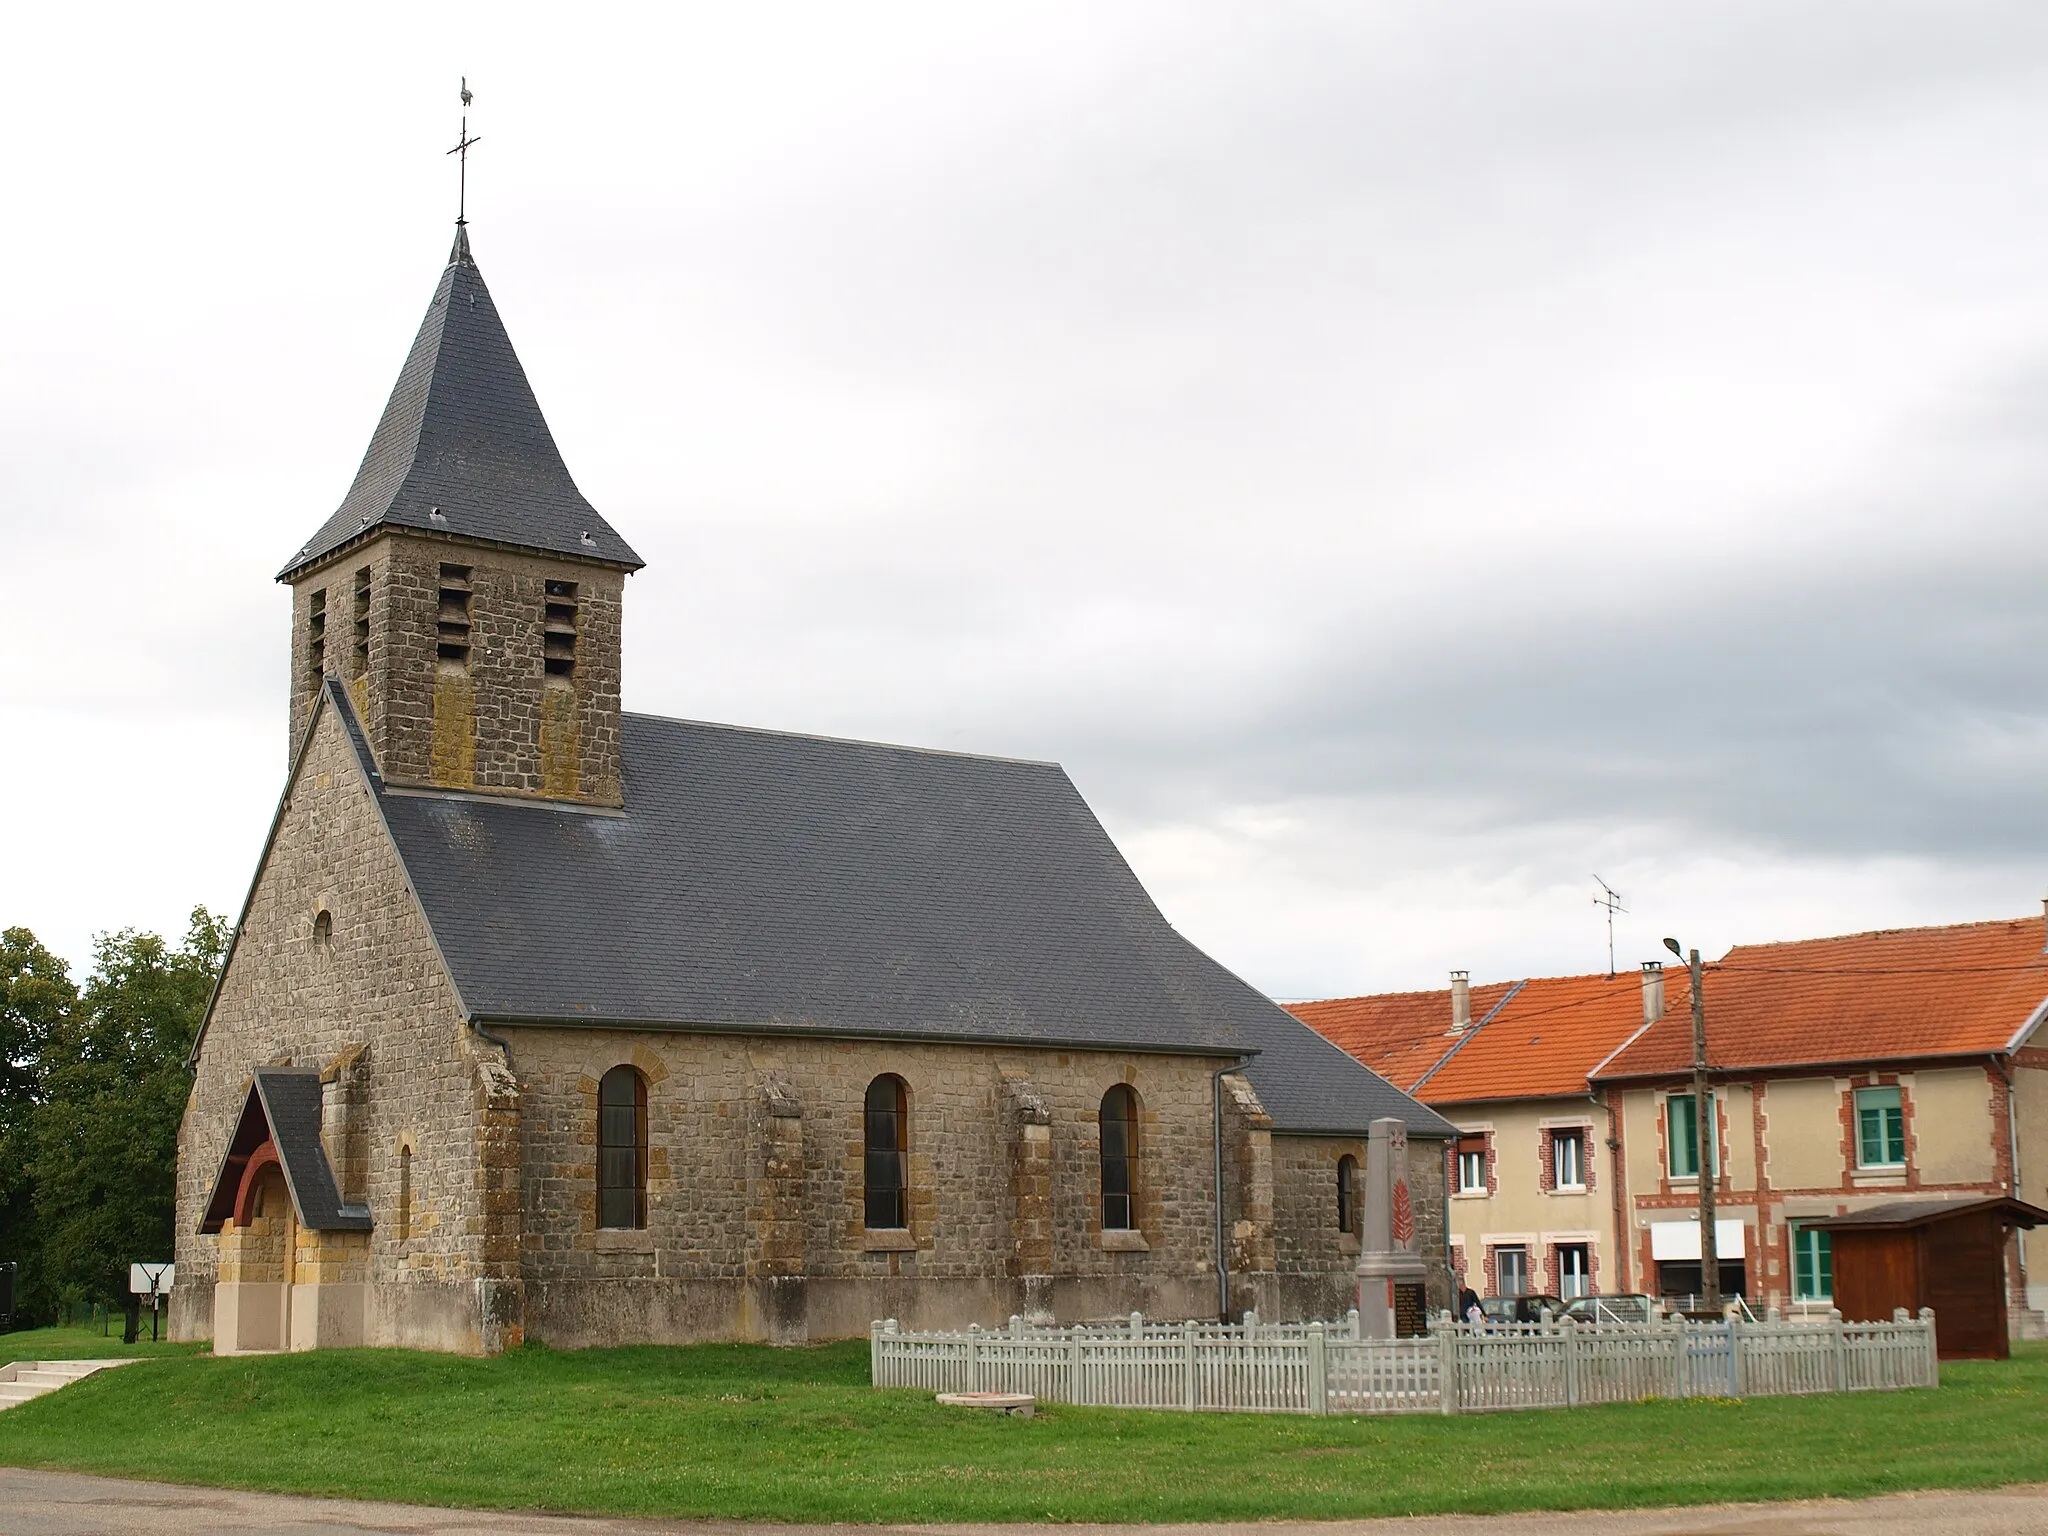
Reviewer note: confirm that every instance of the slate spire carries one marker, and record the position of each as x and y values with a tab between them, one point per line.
462	447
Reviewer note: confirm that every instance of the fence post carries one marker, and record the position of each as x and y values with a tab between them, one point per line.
1681	1350
974	1357
1447	1368
875	1353
1738	1365
1318	1371
1839	1380
1187	1359
1074	1393
1571	1362
1351	1317
1933	1353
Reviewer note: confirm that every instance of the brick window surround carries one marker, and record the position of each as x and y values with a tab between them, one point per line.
1465	1143
1665	1176
1546	1158
1553	1265
1852	1150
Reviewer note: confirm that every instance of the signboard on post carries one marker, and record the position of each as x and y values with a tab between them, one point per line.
152	1280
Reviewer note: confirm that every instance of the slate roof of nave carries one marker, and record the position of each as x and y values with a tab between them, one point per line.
462	434
768	881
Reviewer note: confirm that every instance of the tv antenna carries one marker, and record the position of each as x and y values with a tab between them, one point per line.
462	148
1609	898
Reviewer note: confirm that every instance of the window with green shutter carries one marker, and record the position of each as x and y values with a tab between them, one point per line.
1880	1128
1681	1139
1813	1265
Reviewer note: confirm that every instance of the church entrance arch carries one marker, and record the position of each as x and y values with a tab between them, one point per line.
274	1194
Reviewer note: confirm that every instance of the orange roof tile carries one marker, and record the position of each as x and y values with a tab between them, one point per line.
1400	1035
1898	993
1551	1034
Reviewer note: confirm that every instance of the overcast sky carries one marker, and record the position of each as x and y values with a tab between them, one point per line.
1401	458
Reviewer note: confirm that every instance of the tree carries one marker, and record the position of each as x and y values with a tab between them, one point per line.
114	1084
36	998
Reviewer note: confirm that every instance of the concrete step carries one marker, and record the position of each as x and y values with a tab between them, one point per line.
31	1379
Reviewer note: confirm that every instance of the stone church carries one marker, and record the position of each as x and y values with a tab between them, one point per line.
548	1021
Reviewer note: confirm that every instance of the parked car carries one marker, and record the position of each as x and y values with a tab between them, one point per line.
1519	1309
1620	1308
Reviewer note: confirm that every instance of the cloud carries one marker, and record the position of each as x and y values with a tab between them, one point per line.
1401	458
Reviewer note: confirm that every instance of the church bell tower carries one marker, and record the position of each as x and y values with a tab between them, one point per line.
465	592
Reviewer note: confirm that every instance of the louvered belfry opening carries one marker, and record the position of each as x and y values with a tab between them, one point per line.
453	625
558	637
316	640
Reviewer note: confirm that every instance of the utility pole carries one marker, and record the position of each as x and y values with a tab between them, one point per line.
1704	1131
1705	1137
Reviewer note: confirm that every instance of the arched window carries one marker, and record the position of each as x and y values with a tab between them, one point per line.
1119	1159
1347	1194
622	1149
323	930
888	1154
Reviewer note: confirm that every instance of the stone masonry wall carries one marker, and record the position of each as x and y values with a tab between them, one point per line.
1305	1233
501	726
1004	1172
1429	1189
1314	1258
376	988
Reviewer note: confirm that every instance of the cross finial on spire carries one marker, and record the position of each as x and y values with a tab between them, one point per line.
462	148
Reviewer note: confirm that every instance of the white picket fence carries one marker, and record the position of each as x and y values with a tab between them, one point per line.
1320	1368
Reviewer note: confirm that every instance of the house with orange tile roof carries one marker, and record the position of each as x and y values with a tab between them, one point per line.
1851	1072
1535	1198
1847	1073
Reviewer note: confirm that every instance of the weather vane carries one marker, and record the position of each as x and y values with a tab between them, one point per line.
462	149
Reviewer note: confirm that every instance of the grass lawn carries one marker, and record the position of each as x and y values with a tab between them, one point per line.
83	1344
757	1433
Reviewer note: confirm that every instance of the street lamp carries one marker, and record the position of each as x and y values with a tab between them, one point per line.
1703	1134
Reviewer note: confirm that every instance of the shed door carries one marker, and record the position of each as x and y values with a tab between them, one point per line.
1875	1272
1965	1267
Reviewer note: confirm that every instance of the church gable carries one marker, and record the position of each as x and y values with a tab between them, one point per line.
280	1124
334	972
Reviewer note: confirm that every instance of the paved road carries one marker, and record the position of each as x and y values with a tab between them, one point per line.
63	1504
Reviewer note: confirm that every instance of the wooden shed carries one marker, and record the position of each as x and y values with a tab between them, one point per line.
1944	1254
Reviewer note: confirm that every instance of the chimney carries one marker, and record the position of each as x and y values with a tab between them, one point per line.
1461	1001
1653	991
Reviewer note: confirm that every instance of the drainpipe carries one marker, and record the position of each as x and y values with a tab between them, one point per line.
2012	1148
1618	1194
498	1040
